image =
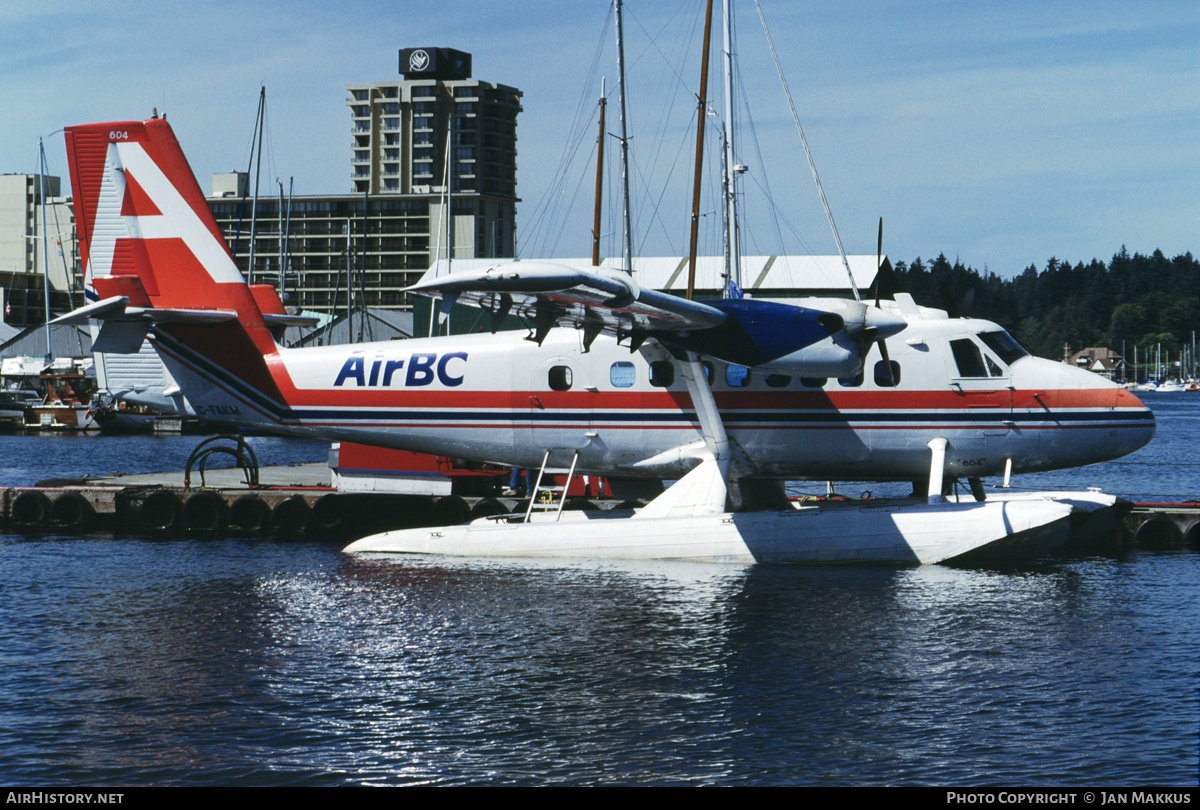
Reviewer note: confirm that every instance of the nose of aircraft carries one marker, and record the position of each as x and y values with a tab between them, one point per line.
1111	421
1142	423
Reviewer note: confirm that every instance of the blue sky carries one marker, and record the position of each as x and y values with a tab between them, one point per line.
999	133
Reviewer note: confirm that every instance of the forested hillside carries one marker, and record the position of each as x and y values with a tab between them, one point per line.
1143	300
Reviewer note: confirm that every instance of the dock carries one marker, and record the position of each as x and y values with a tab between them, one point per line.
1163	525
285	503
299	502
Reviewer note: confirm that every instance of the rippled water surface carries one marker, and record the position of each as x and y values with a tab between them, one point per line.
200	662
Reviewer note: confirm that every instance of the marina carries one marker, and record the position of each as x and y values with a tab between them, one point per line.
295	664
836	536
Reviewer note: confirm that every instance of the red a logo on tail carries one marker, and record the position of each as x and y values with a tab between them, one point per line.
141	213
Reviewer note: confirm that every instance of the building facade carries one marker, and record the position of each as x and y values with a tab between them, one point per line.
433	173
328	253
23	267
441	134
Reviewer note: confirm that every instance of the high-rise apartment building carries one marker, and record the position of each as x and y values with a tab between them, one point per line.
439	133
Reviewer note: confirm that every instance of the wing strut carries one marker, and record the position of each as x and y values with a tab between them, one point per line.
707	488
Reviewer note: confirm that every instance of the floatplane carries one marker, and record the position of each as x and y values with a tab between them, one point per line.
728	398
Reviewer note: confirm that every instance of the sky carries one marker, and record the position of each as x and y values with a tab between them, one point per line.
999	134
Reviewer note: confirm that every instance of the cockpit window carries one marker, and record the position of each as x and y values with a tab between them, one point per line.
972	362
968	358
1003	344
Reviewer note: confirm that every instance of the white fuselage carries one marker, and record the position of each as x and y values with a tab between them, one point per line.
501	398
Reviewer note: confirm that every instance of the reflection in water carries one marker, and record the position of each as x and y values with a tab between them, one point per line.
246	662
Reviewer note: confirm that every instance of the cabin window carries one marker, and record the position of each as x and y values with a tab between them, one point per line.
737	376
814	382
622	374
560	378
881	374
662	373
708	372
968	358
778	380
851	382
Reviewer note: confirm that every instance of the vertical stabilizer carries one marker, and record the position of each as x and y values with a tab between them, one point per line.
140	212
146	233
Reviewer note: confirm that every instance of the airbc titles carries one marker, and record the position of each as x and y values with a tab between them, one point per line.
419	369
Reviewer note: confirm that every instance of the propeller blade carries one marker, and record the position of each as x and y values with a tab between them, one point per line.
967	302
878	262
948	301
887	364
957	307
884	285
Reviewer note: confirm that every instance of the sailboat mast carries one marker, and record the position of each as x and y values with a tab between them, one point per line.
626	229
733	269
262	102
280	279
285	260
45	252
599	180
701	112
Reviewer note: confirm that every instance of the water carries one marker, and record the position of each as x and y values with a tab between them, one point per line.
244	662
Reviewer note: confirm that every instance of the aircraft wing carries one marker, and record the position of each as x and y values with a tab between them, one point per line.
549	294
818	337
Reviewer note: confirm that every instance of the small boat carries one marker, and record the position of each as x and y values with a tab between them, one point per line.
13	404
118	416
66	403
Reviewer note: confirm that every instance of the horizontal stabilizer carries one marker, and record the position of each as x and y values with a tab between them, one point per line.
124	327
117	308
273	319
108	308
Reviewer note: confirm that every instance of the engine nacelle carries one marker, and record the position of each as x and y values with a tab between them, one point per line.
823	337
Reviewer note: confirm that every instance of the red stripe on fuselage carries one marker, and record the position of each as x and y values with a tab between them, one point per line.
658	400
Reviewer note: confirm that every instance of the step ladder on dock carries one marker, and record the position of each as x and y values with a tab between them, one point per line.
550	497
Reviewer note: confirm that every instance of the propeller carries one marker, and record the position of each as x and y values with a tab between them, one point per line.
956	307
878	284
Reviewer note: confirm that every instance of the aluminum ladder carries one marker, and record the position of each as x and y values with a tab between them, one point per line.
543	498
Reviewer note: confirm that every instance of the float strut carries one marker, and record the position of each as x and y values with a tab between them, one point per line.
937	469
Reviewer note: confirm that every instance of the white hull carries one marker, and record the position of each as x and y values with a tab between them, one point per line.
887	532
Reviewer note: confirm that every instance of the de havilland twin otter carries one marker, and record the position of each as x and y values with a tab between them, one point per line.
729	397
